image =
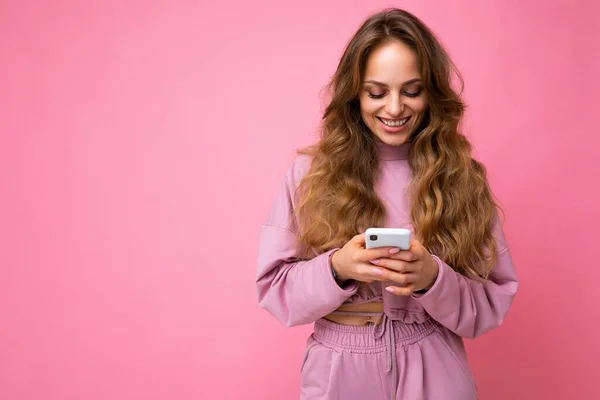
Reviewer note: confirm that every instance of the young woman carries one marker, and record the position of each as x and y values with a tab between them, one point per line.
389	323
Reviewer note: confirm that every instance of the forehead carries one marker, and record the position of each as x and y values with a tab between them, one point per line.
392	63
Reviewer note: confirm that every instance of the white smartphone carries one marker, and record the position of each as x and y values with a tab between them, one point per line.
388	237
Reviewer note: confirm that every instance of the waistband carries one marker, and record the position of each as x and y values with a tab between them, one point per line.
387	336
370	339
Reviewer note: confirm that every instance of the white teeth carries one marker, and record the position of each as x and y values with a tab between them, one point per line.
394	123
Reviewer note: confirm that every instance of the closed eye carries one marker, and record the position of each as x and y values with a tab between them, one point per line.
407	94
413	94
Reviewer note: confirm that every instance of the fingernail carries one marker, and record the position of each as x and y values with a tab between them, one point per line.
394	250
390	289
377	271
376	261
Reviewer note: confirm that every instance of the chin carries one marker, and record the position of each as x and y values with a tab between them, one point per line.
394	140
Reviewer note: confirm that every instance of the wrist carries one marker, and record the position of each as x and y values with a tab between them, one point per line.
435	270
337	274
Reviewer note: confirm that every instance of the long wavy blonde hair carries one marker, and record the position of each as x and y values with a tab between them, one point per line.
452	207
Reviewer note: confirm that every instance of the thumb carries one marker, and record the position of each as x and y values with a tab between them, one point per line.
359	239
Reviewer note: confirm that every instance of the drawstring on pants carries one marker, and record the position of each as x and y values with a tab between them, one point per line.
384	330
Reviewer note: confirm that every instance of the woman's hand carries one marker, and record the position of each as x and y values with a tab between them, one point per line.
415	269
355	262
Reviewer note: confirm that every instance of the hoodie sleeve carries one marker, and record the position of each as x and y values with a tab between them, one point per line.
294	291
469	307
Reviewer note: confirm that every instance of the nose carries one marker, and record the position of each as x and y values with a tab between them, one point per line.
394	106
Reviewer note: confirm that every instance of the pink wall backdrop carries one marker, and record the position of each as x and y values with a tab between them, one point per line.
136	136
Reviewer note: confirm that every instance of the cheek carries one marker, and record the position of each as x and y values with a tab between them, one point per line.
419	105
423	103
367	106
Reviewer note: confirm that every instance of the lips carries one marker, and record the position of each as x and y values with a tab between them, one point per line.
394	122
393	119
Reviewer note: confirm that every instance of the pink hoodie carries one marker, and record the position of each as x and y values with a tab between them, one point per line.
301	292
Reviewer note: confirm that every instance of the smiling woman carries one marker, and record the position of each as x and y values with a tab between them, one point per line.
392	100
389	323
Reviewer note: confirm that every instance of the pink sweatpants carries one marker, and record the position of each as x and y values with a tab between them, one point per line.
391	361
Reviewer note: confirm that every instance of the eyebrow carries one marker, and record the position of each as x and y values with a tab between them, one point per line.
414	80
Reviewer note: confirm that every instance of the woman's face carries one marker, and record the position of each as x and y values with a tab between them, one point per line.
392	99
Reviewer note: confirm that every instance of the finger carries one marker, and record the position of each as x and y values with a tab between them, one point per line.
369	273
401	291
405	255
417	248
387	275
416	252
401	279
367	255
414	243
359	239
395	265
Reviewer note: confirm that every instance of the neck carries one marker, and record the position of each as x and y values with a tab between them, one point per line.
389	152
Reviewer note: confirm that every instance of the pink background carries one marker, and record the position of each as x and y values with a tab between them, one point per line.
141	145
